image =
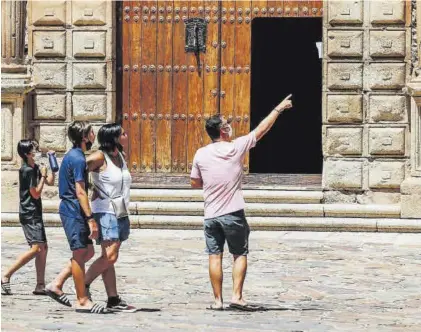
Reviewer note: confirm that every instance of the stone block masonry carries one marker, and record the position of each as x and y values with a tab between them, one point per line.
366	137
71	49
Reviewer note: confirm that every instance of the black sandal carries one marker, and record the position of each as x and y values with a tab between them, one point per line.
5	286
95	309
62	299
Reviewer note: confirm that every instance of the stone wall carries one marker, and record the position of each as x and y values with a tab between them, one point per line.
366	140
72	57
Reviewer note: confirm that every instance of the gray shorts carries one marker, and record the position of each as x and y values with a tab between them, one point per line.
233	227
34	231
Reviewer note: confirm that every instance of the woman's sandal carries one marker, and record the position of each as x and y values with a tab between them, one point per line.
62	299
95	309
215	308
5	286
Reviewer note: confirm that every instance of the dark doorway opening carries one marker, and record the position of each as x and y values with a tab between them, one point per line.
285	60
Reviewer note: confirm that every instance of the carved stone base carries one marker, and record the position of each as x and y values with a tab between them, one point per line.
411	198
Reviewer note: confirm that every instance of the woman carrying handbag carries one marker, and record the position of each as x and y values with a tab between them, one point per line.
110	201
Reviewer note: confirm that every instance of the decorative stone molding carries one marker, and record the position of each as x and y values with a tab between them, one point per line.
344	108
414	90
11	129
13	17
411	187
390	108
342	141
387	12
345	43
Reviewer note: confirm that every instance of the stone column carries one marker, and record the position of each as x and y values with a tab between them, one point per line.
13	17
411	187
15	83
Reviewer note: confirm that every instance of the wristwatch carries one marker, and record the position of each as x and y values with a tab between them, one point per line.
89	217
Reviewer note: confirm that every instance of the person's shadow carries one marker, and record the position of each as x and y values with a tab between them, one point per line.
147	309
256	307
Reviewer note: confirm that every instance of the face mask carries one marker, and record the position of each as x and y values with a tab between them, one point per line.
228	130
89	145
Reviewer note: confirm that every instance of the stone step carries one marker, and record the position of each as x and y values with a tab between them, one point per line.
250	196
260	209
194	195
256	223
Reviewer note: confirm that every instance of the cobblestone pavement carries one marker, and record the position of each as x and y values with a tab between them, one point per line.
315	281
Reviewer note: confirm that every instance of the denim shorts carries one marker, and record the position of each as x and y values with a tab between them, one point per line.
232	227
75	226
77	231
112	229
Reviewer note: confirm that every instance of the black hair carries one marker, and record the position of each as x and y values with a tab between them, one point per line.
25	146
213	126
108	136
77	131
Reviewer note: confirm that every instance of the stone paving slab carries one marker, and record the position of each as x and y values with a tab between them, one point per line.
315	281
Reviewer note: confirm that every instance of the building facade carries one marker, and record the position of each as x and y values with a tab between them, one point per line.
129	61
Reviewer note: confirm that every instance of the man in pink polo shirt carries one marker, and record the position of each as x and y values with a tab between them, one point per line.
218	169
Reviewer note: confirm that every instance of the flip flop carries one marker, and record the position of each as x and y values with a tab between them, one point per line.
247	307
41	292
62	299
95	309
212	307
5	286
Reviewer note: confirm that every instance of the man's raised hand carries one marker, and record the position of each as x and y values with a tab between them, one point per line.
285	104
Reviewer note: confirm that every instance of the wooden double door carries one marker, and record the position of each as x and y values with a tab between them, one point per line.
167	94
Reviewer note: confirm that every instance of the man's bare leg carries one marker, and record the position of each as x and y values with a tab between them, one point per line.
40	262
78	272
216	277
239	271
57	284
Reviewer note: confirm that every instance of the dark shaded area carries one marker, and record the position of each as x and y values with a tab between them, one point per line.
285	60
119	63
